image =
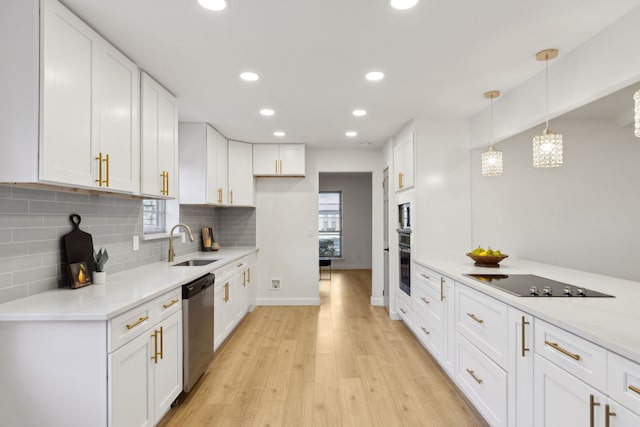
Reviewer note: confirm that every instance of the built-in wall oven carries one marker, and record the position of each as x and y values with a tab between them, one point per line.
404	246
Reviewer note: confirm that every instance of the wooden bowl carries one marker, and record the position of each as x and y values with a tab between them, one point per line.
487	261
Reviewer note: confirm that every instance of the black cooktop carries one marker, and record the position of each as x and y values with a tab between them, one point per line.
529	285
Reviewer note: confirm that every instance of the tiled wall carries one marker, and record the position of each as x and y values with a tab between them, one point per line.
32	223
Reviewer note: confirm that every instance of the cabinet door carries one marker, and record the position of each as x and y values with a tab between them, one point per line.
403	154
168	368
619	416
520	364
219	307
159	140
116	101
448	290
561	400
234	305
265	160
65	149
252	278
216	165
131	384
292	159
241	181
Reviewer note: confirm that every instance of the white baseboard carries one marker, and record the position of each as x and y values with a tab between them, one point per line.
377	301
287	301
394	315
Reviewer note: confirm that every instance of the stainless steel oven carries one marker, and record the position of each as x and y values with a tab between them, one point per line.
404	248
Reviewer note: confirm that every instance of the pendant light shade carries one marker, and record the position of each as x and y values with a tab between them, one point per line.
547	148
636	112
492	158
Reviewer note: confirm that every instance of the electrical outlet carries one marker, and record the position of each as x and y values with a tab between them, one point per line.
275	284
136	243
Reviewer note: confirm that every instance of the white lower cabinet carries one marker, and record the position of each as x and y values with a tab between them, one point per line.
616	415
146	375
230	299
520	368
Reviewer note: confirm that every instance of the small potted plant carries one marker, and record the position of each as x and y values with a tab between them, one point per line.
101	257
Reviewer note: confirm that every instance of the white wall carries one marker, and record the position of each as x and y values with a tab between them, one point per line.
583	215
356	217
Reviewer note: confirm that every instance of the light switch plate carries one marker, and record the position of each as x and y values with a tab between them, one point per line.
136	243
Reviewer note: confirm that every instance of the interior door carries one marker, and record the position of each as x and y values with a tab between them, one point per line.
385	207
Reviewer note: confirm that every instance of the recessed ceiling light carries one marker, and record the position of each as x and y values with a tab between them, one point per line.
359	113
365	144
279	133
249	76
351	133
403	4
374	76
267	112
213	4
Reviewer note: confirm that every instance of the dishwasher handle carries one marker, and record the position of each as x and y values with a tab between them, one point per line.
197	286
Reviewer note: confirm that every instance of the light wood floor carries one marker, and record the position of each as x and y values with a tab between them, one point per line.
344	363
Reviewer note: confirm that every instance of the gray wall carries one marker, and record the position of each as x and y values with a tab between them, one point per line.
33	221
356	221
583	215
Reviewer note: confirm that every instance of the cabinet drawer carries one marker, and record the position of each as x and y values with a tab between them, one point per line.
483	321
167	304
623	381
428	301
578	356
483	382
431	335
405	312
431	278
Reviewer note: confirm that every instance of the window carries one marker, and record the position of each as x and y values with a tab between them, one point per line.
153	216
330	223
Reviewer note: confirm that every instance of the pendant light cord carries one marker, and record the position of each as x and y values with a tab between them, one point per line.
491	109
546	63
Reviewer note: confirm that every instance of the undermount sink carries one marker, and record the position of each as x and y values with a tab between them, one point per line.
194	262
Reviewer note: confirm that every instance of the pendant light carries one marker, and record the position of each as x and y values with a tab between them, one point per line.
547	148
636	112
492	158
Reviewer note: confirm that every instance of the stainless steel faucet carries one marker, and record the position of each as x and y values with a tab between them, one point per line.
171	251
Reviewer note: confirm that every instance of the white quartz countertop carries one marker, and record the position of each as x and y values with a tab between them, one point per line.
122	291
610	322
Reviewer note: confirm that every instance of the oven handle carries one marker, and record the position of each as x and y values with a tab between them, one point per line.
405	250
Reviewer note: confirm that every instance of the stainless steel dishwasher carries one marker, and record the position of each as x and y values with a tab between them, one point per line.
197	328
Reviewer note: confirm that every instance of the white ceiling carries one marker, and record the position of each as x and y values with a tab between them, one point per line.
439	58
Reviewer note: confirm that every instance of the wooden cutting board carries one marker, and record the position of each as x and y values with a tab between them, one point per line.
78	245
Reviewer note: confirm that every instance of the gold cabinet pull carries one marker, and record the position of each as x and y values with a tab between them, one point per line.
162	189
137	322
99	159
226	292
403	311
220	195
473	375
161	342
634	389
231	197
244	278
400	184
555	346
173	301
155	347
425	276
524	348
166	176
425	330
608	413
106	160
239	265
592	406
474	317
426	301
442	297
276	166
249	275
280	167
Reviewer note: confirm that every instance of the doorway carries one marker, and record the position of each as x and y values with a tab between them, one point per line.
385	237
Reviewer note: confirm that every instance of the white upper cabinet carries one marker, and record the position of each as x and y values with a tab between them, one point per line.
278	159
241	180
159	140
86	105
203	165
403	162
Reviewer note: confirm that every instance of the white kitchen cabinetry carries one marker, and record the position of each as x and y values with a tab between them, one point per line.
520	368
159	140
403	162
279	160
203	165
230	299
86	106
251	273
241	180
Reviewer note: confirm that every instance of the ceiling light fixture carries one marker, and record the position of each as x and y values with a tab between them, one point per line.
267	112
636	111
249	76
279	133
547	148
492	158
351	133
215	5
403	4
365	144
374	76
359	113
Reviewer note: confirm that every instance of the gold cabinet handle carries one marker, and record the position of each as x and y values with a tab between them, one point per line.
474	317
166	175
99	159
239	265
226	292
524	348
634	389
162	189
220	195
231	197
400	185
442	297
276	166
249	275
280	167
425	330
555	346
137	322
592	406
173	301
608	413
155	347
161	342
473	375
244	278
107	162
426	301
403	311
425	276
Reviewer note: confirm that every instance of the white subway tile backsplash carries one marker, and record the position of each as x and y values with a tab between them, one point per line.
34	234
14	206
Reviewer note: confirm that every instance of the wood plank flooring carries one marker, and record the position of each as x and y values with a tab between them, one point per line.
344	363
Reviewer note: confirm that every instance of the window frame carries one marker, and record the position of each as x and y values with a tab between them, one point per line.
340	231
161	212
